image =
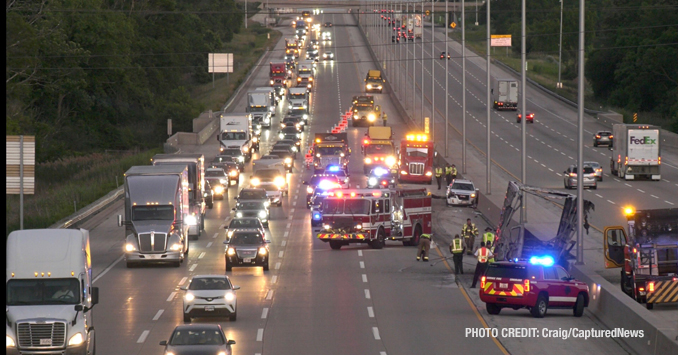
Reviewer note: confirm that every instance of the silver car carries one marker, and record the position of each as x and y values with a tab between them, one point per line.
462	192
210	296
570	177
597	169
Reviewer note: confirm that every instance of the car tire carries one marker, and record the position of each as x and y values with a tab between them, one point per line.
176	263
492	308
578	309
187	318
335	245
266	225
595	187
229	267
540	307
414	241
649	305
266	266
380	242
595	144
233	317
130	264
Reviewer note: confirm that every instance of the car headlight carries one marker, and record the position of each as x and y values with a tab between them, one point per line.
263	251
238	214
267	120
279	181
379	87
288	160
230	251
281	136
369	86
473	195
176	246
245	149
368	161
294	149
267	203
359	226
233	173
371	117
326	226
262	214
10	342
390	160
305	116
229	233
130	247
372	181
223	181
229	296
309	190
255	139
76	339
191	220
189	297
255	181
241	158
428	173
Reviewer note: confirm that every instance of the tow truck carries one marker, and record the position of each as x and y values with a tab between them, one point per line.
378	148
415	159
647	252
330	149
364	111
373	216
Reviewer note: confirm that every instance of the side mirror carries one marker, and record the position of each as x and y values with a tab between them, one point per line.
235	288
95	295
231	342
226	241
163	343
78	307
119	220
268	241
183	288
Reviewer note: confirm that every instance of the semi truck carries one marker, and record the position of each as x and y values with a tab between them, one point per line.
378	148
373	216
260	107
49	292
505	94
278	77
157	214
330	149
196	186
235	131
415	159
417	26
636	152
374	81
647	252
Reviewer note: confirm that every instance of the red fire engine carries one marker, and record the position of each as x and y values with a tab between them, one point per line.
278	74
373	216
415	159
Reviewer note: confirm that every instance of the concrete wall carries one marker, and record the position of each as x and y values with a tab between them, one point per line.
207	131
202	120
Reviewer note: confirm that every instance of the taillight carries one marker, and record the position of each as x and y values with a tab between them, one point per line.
611	136
526	285
573	174
650	287
597	136
482	282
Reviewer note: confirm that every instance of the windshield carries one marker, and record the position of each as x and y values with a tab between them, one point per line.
348	206
209	283
305	71
258	109
416	152
246	239
333	206
43	291
592	164
316	179
587	170
214	173
462	186
252	205
230	152
197	337
506	271
233	136
244	223
153	213
252	195
267	174
301	96
329	150
378	149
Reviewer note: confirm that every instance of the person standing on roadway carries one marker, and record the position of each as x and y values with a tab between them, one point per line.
483	254
439	176
384	117
469	231
448	174
457	249
424	246
488	237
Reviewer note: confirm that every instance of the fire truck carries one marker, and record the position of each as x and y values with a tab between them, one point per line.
378	148
278	77
415	159
373	216
330	149
647	252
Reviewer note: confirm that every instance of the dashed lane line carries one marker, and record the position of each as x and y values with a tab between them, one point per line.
171	296
209	244
269	295
362	264
143	336
367	294
360	253
364	278
202	255
375	332
274	279
277	265
370	312
264	313
260	334
183	279
281	253
157	315
192	268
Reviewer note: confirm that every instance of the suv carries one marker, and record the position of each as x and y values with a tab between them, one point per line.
603	137
246	248
218	180
462	192
536	284
570	177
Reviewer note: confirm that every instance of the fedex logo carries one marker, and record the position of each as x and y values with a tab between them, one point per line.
642	140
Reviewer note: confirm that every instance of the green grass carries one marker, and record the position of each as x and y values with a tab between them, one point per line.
58	184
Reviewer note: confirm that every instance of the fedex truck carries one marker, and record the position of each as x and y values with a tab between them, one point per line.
636	151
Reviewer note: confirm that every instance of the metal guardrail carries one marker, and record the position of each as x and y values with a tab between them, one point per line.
90	210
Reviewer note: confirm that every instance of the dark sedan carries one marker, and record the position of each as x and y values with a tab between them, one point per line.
198	339
247	248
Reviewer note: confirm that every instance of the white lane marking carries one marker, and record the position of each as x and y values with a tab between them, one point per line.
627	184
157	315
551	170
291	210
364	278
143	336
202	255
290	217
362	264
360	253
294	203
289	225
284	242
641	190
543	165
375	331
108	268
209	244
611	202
599	196
193	267
264	313
222	226
286	234
666	180
296	196
171	296
370	312
277	266
260	334
269	295
367	294
215	235
382	353
670	203
281	253
654	196
183	279
274	279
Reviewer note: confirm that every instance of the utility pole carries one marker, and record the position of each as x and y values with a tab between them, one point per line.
447	73
580	143
463	84
245	14
559	84
422	64
488	185
433	81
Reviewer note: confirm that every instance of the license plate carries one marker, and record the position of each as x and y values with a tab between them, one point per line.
45	341
247	260
209	308
503	285
153	256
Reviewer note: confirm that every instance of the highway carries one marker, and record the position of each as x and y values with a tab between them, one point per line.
315	300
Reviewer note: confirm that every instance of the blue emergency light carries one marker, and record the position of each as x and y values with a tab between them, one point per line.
380	171
333	168
326	184
544	260
316	216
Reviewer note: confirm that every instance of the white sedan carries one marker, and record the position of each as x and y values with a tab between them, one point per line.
210	296
328	56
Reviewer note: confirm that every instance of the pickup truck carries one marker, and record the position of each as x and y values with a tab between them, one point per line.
268	161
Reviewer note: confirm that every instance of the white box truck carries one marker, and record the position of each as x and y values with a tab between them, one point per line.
259	105
49	292
636	151
235	131
505	94
417	26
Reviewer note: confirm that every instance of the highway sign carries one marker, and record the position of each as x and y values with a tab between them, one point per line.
428	12
500	41
453	24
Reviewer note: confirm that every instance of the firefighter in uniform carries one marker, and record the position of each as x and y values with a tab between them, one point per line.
483	254
384	117
457	249
454	172
469	231
448	174
424	246
488	237
439	176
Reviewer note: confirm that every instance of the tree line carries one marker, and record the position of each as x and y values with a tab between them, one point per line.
88	75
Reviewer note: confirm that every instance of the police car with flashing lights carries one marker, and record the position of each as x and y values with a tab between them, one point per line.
380	178
325	181
536	284
340	173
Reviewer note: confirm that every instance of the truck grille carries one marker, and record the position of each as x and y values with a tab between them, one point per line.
416	168
41	335
242	254
155	244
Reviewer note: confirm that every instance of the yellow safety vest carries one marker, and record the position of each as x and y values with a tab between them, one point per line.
457	246
472	229
454	171
483	254
448	171
426	236
492	258
488	236
384	117
439	172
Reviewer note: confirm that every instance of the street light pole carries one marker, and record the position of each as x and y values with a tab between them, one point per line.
523	121
488	185
580	143
447	73
422	65
559	84
433	77
463	85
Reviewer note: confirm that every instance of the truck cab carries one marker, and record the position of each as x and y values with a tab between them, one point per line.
235	130
330	149
260	107
278	77
378	149
374	82
415	159
365	113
